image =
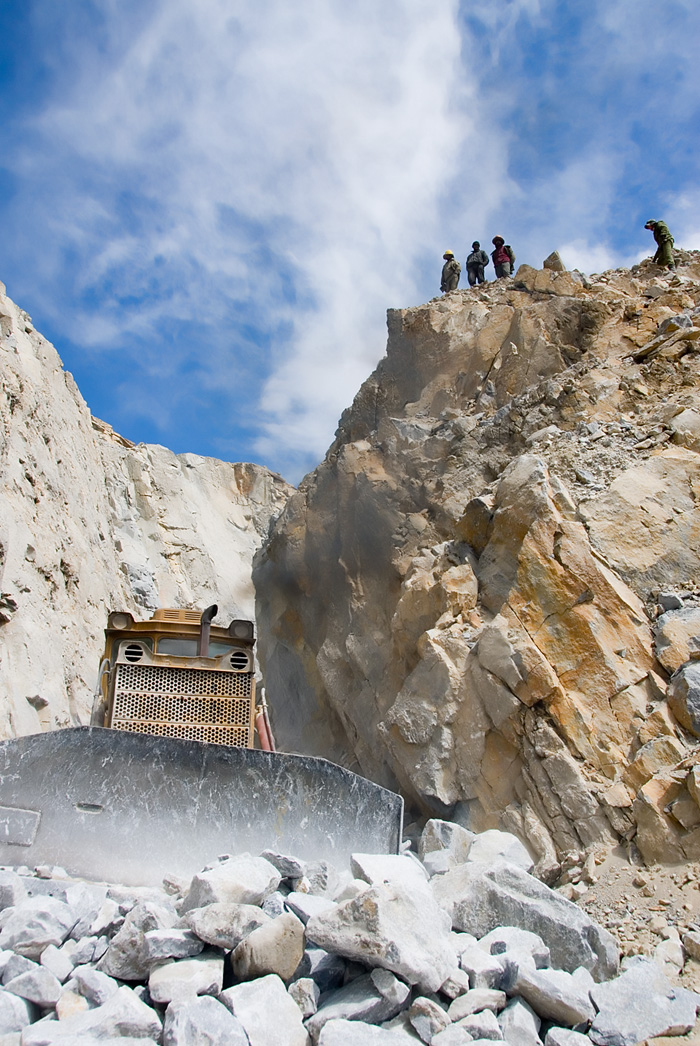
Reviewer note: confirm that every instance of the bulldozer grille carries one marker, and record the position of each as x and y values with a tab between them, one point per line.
193	704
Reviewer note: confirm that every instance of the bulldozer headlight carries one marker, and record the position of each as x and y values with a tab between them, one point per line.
240	629
120	620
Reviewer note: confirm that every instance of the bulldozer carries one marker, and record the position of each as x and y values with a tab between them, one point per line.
177	675
168	777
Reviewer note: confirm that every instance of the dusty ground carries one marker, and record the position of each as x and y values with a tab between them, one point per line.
649	911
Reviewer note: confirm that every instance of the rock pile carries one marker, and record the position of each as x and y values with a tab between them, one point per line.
460	944
487	595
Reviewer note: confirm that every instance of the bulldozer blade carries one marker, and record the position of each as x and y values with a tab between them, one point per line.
125	807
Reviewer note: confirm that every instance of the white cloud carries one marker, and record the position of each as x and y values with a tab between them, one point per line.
253	155
271	180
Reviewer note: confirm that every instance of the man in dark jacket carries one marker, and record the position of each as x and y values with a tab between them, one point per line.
475	264
664	243
503	257
450	273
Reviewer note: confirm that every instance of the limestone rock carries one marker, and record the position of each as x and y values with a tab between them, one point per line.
95	986
371	999
304	905
388	926
553	261
482	1025
427	1018
266	1012
448	838
306	994
686	429
123	1016
389	868
485	972
640	1004
224	924
171	944
555	995
326	970
12	889
479	899
511	939
565	1037
202	975
475	1001
519	1023
15	1013
202	1020
684	696
235	880
56	962
37	986
492	845
35	924
452	1036
288	867
355	1033
456	984
276	947
126	957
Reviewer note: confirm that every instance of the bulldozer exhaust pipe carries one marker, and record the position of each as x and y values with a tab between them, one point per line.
205	621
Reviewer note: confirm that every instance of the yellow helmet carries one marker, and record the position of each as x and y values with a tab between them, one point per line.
451	253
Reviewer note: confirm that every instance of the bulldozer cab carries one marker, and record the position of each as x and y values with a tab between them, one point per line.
177	675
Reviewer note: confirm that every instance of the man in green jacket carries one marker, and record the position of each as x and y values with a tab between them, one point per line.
664	243
450	273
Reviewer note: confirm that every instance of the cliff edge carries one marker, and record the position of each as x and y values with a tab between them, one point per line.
488	594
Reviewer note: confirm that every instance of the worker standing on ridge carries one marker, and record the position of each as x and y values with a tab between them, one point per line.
450	273
664	243
475	264
503	257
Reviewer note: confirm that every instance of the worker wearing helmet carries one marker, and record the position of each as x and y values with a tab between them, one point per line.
475	264
664	243
450	273
503	257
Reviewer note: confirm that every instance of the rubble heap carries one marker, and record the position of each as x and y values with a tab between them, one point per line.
488	594
457	944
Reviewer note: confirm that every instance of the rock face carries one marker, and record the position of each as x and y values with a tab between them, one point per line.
461	600
90	523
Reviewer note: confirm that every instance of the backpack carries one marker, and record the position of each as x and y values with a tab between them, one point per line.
511	254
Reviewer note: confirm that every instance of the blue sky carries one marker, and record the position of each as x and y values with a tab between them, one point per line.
208	205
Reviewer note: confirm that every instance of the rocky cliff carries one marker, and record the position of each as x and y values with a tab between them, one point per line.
487	594
89	522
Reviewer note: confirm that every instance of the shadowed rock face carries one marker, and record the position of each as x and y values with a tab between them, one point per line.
460	600
89	523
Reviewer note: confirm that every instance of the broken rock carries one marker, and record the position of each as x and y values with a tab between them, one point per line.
276	947
235	880
189	1022
480	899
35	924
684	696
202	975
268	1015
555	995
387	925
640	1004
376	997
225	925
